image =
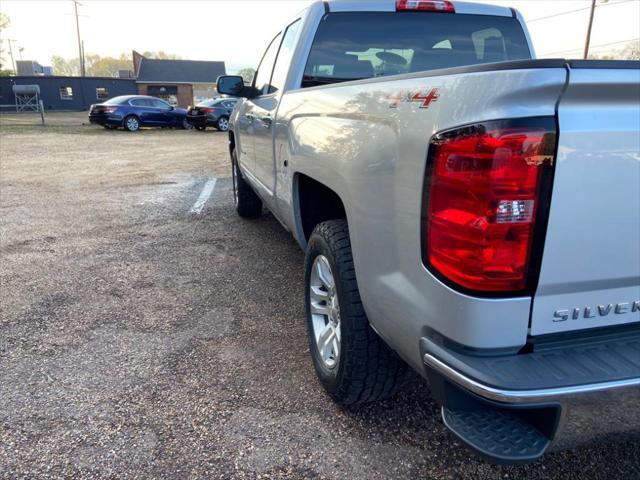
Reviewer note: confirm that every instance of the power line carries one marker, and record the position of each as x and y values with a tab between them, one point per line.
577	10
13	63
558	14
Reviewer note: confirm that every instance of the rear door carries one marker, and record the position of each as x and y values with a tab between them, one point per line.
144	109
590	274
248	121
164	113
264	110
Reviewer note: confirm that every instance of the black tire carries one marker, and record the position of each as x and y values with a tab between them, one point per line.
367	369
221	122
186	125
131	126
248	203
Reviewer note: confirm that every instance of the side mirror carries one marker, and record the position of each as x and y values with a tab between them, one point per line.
231	85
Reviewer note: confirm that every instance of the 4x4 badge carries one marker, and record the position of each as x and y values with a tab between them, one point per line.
425	97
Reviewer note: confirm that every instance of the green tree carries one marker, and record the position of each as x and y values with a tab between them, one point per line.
247	74
97	66
63	66
4	23
161	55
631	51
108	66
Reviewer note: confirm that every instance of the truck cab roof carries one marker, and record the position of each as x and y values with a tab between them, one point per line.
390	6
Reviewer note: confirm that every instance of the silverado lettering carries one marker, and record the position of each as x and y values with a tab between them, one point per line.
603	310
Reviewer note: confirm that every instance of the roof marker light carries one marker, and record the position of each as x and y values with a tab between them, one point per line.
443	6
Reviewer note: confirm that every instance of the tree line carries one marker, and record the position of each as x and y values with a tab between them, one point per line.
99	66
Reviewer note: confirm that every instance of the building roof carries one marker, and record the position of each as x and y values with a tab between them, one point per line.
179	71
36	78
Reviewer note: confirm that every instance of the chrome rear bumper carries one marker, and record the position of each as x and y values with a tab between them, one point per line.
572	394
555	394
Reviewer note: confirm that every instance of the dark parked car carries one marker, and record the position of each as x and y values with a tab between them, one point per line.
214	113
134	111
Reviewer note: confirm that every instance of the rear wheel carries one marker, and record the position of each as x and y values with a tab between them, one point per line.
223	124
248	203
131	123
352	362
186	125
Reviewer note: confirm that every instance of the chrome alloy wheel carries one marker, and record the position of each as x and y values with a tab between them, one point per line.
132	124
223	124
325	311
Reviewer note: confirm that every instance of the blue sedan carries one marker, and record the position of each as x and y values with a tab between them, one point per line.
134	111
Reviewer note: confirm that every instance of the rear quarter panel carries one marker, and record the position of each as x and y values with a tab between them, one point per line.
348	137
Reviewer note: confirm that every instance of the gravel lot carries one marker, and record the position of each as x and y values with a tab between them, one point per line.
138	340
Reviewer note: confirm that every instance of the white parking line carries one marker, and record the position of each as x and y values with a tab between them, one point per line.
207	190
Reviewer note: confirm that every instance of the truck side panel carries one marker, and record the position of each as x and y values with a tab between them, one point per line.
371	149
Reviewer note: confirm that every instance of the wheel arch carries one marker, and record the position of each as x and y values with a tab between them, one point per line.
314	203
232	140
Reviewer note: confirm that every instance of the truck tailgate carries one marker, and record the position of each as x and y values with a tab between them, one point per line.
590	272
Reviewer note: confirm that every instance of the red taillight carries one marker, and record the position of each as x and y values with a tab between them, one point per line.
110	109
206	110
425	6
484	194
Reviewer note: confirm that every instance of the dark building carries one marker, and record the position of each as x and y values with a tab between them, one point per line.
179	82
68	93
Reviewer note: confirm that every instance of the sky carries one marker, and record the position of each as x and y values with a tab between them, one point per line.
238	31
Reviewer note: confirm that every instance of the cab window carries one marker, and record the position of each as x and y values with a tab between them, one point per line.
357	45
263	75
284	57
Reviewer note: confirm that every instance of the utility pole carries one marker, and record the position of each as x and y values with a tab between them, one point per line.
13	63
80	53
588	39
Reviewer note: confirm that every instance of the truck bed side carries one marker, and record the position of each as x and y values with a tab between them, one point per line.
590	274
372	151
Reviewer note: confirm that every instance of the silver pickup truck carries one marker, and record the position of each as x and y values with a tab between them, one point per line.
465	210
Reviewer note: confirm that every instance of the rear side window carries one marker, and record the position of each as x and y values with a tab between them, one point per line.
116	100
142	102
284	57
263	76
356	45
159	104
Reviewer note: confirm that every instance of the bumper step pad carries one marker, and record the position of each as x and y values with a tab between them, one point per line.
497	435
